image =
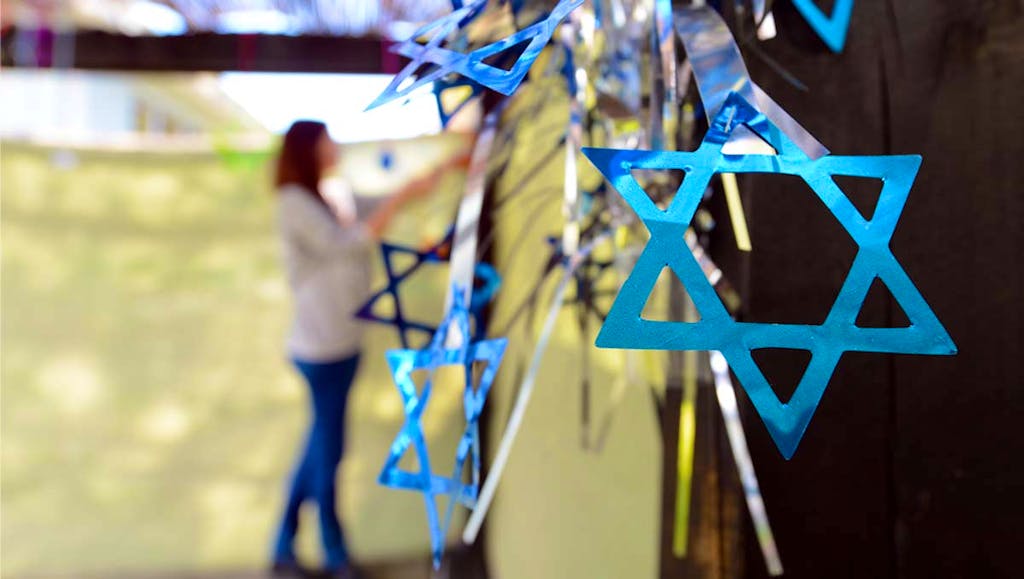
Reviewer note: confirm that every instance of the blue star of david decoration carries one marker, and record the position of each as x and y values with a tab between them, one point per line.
470	65
832	29
490	282
403	363
716	330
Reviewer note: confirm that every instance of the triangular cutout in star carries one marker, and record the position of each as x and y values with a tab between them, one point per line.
863	192
878	299
452	97
786	421
783	368
831	29
384	307
409	461
473	375
656	183
506	59
453	94
403	261
655	311
420	377
423	70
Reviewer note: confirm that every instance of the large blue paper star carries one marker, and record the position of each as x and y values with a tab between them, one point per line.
403	363
471	65
439	253
832	29
716	330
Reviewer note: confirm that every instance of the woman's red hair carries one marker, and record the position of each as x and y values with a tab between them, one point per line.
298	162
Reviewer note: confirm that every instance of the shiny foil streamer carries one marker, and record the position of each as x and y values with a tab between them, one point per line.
665	42
576	80
734	428
515	420
744	463
719	70
467	223
688	406
714	56
662	106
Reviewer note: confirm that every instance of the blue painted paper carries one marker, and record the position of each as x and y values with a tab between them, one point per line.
470	65
832	29
716	330
403	363
489	278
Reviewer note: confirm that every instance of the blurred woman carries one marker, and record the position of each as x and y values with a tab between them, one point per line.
327	258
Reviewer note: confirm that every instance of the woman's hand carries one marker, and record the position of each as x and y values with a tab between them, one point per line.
416	189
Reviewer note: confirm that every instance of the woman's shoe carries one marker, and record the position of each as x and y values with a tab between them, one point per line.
347	572
290	570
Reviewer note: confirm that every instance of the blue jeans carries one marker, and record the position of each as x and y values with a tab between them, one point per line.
315	474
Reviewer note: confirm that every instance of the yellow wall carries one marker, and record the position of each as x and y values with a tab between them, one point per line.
149	417
562	511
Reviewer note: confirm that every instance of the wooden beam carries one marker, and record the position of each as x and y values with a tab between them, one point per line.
96	50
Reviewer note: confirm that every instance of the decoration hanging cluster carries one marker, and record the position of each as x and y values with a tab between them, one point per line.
598	56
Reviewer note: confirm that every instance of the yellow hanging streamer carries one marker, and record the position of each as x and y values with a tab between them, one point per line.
736	214
687	441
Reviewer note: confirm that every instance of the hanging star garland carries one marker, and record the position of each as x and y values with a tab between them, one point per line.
403	363
716	330
490	282
472	65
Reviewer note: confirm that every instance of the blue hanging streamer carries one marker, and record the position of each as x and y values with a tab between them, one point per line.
471	65
403	363
716	330
482	295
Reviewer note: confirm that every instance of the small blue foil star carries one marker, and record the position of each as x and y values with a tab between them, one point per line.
482	295
716	330
403	363
471	65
